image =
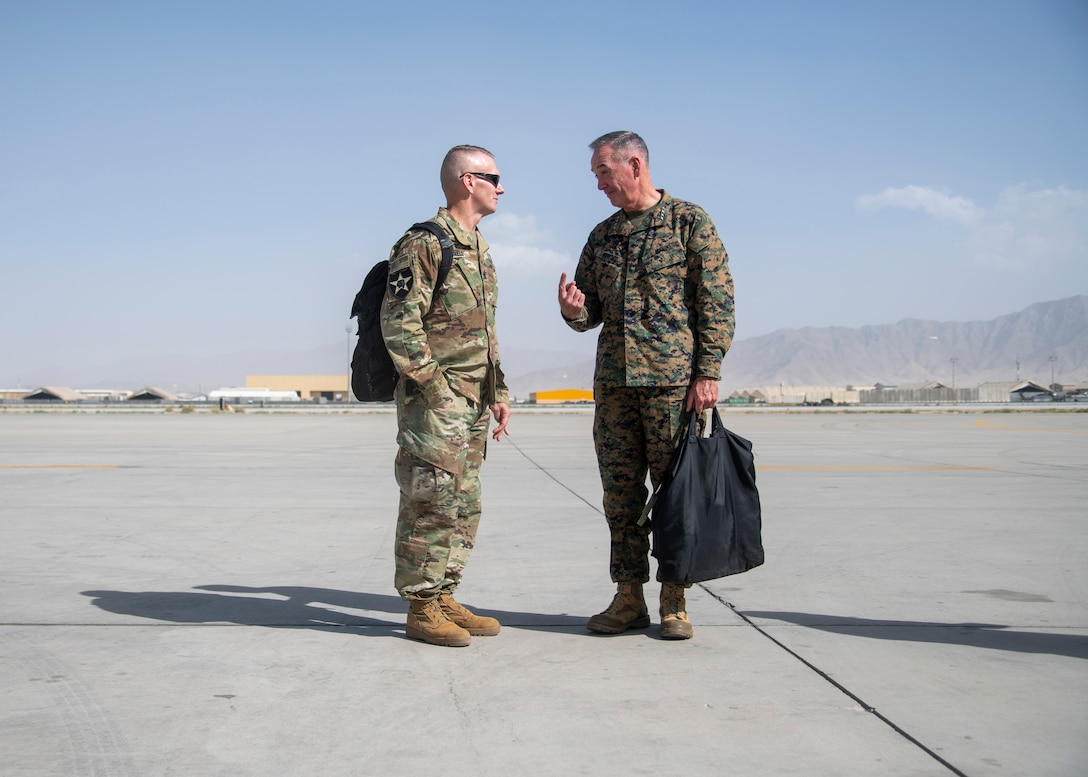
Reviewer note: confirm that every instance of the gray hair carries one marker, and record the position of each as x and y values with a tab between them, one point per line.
455	158
625	143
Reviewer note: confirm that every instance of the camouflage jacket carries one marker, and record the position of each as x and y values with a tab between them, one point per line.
664	295
444	340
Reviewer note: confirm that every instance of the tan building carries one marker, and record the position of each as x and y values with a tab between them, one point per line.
334	388
799	395
560	396
152	394
54	394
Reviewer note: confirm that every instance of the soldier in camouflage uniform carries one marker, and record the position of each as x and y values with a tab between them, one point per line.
656	276
442	341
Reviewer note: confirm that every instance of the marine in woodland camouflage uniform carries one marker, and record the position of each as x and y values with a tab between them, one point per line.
655	276
443	344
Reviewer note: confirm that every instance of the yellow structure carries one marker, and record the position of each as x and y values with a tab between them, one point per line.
334	388
560	395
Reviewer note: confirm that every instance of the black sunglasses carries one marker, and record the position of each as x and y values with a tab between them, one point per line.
492	177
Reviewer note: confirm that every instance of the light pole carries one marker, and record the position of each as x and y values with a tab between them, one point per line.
953	361
1052	359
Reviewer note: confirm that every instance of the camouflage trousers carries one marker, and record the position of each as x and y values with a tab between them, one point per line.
633	432
439	509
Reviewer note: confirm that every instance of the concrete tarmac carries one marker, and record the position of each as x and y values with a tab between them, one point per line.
211	594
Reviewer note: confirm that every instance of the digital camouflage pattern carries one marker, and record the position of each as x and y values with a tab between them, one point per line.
442	342
634	431
664	294
661	287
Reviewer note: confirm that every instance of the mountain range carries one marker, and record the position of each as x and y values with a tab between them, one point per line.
1018	346
1044	341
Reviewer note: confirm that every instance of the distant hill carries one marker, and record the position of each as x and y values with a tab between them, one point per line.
911	351
914	351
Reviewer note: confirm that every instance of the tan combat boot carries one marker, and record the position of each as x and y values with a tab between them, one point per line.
476	625
674	617
627	611
428	623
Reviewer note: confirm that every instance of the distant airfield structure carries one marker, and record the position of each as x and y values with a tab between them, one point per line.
559	396
293	389
331	388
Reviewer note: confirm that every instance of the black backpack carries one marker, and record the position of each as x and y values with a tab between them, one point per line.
373	376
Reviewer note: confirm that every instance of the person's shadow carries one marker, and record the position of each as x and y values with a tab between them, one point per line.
993	636
293	607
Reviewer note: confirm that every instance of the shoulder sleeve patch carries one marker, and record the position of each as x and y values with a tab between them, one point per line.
401	282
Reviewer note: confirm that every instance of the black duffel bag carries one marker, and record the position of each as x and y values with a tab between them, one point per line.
706	514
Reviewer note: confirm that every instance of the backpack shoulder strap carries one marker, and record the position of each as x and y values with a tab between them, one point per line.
447	247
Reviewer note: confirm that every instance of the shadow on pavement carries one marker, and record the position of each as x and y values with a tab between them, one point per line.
980	635
290	607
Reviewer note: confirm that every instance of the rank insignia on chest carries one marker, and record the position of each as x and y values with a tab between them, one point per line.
400	283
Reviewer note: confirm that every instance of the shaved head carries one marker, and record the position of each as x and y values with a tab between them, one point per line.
460	160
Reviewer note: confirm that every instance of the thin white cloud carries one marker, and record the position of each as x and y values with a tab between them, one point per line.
1024	229
511	228
519	246
1028	229
924	198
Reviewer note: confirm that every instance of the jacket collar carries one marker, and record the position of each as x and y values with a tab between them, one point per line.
619	224
460	235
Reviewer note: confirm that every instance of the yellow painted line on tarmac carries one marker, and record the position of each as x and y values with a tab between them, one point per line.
934	468
989	425
58	466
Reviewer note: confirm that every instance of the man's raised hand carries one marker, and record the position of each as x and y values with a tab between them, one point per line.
571	299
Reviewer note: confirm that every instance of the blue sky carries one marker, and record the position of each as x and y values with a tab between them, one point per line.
202	178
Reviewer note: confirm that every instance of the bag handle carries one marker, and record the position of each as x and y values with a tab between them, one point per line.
678	439
693	427
717	428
